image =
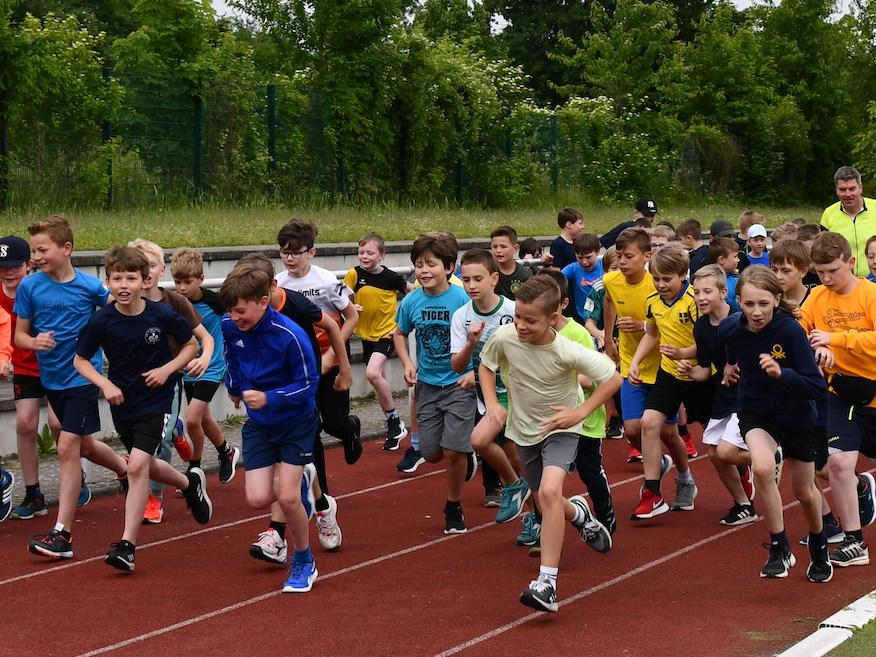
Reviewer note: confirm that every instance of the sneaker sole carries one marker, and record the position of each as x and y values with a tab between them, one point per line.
833	540
519	508
531	601
858	561
199	473
820	581
659	511
391	444
330	547
866	522
743	521
152	521
292	589
37	514
120	564
256	553
783	575
413	468
448	532
35	549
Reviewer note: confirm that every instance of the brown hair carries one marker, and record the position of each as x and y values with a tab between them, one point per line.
722	247
480	257
609	258
783	233
671	259
560	279
296	234
747	219
691	227
828	247
808	232
869	242
186	263
442	245
638	237
792	252
568	216
586	243
715	272
765	279
372	237
541	290
244	283
125	259
57	227
662	230
257	261
505	231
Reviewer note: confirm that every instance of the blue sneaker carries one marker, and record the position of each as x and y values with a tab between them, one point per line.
32	507
7	481
531	531
866	499
302	575
84	493
307	498
514	496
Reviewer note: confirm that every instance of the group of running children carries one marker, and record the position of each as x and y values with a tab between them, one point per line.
508	374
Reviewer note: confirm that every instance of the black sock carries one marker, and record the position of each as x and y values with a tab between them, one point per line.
279	527
682	430
127	545
817	542
32	491
653	485
857	534
828	519
194	463
223	448
452	505
322	503
779	539
65	534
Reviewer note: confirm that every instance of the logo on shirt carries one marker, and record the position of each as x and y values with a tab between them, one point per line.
506	319
153	335
778	352
685	318
239	343
840	321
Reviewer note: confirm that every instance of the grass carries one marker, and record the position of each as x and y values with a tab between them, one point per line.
224	226
862	643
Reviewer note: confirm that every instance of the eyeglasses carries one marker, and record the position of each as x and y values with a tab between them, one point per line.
295	255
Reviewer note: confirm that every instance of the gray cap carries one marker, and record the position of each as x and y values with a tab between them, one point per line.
721	228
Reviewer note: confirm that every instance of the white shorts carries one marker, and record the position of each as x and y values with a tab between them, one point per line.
726	429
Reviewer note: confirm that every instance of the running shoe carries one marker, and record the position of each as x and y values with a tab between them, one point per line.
665	465
33	506
7	482
615	428
531	531
514	496
196	496
121	556
540	595
692	452
181	443
780	456
84	493
454	520
353	443
269	546
123	479
302	575
650	506
633	454
866	498
410	461
592	532
739	514
327	528
832	531
780	561
820	569
685	493
493	498
52	545
850	552
153	514
395	433
746	478
307	498
471	466
228	464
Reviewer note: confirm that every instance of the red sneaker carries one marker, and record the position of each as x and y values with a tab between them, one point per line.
181	443
154	512
746	476
692	452
650	505
633	455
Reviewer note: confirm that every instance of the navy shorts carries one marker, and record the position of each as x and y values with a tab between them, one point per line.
200	390
76	409
143	433
850	428
634	400
265	446
27	386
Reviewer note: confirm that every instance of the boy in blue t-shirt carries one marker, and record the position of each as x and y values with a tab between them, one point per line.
187	269
445	400
581	275
52	306
139	387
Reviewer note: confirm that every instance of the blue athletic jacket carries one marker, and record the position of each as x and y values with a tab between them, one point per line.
275	356
789	399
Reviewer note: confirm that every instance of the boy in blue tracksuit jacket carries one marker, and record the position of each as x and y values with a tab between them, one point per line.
272	368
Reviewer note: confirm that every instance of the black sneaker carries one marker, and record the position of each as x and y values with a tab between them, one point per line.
540	595
850	552
33	506
353	446
866	499
780	562
820	569
121	556
615	428
52	545
471	466
454	520
395	433
228	464
196	496
410	461
739	514
608	519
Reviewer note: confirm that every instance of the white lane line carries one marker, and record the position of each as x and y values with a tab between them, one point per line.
272	594
206	530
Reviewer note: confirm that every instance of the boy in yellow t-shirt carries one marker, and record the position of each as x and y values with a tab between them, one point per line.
671	313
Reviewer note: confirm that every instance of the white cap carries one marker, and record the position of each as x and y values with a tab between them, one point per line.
757	230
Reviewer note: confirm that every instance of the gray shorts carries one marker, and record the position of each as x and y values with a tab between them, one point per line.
559	449
446	418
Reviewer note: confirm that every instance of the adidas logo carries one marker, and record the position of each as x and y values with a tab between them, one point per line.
239	343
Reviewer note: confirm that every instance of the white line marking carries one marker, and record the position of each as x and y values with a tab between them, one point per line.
272	594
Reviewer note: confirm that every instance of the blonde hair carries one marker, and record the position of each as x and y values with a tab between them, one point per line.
186	263
784	232
609	258
715	272
148	248
661	230
57	227
671	259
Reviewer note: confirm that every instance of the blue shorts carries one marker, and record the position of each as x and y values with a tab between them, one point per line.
850	428
265	446
634	400
76	409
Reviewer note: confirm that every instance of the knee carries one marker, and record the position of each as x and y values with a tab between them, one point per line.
764	475
437	457
258	499
68	450
837	468
138	469
549	495
374	374
26	427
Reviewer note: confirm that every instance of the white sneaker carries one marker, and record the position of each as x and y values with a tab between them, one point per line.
327	526
270	546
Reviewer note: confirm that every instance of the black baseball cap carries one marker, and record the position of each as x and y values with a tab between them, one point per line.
13	251
647	206
721	228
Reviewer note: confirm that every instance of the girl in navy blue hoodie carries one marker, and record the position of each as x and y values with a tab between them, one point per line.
779	381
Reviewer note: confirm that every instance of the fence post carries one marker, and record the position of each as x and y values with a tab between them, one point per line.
4	158
555	167
106	137
198	148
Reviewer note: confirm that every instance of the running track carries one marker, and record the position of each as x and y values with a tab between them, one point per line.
681	584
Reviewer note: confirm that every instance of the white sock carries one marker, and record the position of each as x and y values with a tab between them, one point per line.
59	526
551	573
579	516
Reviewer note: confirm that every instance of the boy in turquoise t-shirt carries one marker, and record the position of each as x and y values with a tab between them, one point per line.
445	400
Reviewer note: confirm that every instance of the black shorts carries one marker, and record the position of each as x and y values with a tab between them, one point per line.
668	393
200	390
76	409
27	386
384	346
850	428
797	442
143	433
820	447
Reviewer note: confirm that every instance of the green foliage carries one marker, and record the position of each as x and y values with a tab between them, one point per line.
46	441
